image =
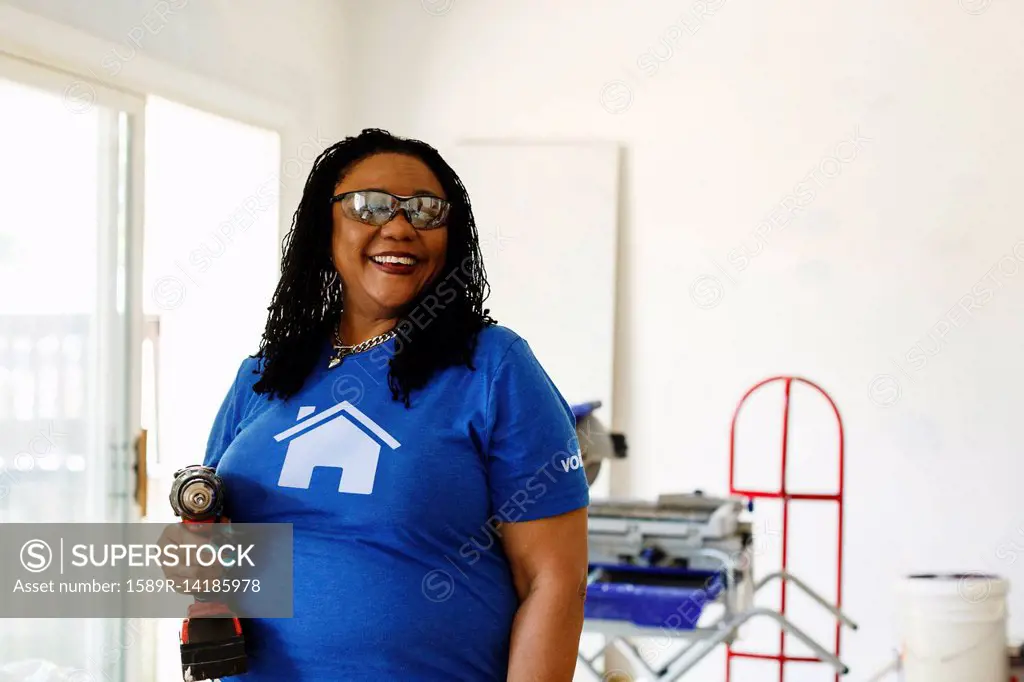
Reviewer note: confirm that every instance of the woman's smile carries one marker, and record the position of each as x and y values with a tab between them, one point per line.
395	262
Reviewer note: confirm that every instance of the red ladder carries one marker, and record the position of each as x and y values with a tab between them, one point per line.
786	497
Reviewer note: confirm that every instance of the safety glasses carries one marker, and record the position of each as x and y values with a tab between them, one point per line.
378	208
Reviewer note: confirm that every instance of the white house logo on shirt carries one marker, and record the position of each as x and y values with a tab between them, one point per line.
330	439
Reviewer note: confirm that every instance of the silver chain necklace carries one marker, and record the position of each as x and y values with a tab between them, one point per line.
341	351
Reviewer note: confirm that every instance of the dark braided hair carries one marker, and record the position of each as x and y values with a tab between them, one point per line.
306	305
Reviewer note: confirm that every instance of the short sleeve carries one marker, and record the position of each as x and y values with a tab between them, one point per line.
229	416
534	464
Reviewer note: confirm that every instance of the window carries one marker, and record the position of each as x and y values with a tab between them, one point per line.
65	324
211	258
211	264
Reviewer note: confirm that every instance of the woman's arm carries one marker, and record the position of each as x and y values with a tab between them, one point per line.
549	565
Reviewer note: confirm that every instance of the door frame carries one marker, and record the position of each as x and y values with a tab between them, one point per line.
122	145
116	357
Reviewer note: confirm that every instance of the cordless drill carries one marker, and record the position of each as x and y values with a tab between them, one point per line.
211	639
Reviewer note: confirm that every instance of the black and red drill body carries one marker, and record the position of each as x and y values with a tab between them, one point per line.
212	645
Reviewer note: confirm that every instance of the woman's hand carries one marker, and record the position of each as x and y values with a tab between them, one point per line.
171	540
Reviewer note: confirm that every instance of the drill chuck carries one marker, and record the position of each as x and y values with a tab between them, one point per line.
197	494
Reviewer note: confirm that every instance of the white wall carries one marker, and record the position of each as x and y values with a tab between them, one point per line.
751	98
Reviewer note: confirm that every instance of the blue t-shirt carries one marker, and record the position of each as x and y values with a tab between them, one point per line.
399	573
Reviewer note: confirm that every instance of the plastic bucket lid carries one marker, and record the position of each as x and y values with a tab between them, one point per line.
971	587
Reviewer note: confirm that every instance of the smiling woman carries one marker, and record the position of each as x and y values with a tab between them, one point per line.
390	420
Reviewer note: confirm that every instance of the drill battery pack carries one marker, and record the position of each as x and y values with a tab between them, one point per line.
211	648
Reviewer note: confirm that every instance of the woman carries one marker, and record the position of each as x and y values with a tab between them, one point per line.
414	444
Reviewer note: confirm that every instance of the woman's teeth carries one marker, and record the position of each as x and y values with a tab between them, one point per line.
395	260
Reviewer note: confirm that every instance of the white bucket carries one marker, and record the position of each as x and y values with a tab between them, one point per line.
954	628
